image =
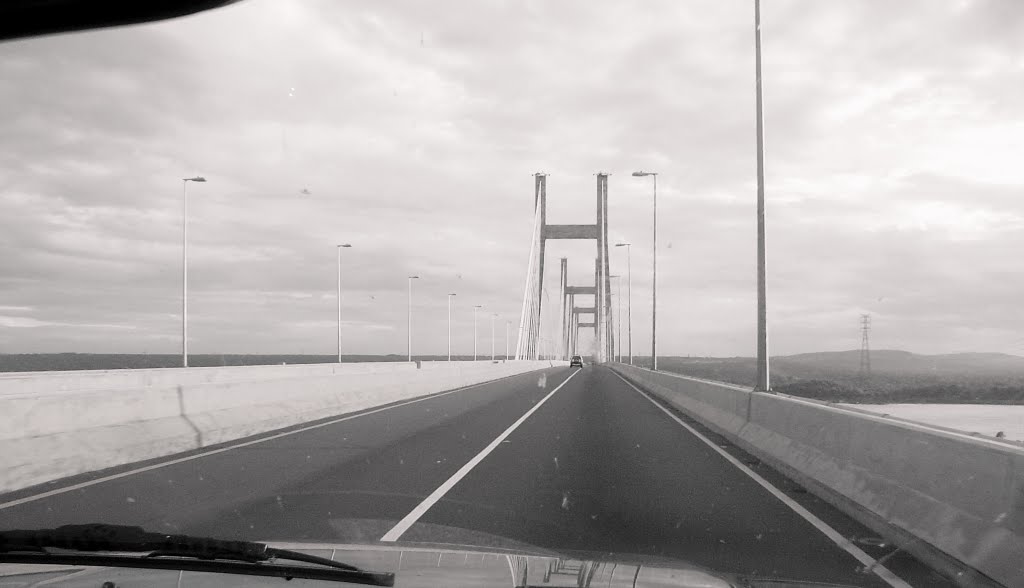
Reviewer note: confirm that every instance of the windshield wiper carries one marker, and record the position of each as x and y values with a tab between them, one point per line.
178	552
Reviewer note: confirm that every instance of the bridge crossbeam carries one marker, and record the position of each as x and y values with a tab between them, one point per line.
570	232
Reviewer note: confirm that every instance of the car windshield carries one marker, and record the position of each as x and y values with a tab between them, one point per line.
729	285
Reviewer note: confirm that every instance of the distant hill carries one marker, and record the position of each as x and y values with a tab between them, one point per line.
888	361
896	376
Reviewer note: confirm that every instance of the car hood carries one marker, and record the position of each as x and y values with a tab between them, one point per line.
423	566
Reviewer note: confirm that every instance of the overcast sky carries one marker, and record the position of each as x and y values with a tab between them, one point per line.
895	182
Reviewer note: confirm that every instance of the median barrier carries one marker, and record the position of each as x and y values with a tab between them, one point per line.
948	496
48	433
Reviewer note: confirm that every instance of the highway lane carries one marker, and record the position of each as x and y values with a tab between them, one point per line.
376	466
596	468
601	468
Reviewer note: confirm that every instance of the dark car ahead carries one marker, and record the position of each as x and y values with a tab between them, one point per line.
576	361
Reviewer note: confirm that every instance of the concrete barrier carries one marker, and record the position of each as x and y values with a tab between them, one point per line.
963	496
33	383
723	406
48	430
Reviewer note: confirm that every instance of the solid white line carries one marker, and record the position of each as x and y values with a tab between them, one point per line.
421	509
837	538
155	466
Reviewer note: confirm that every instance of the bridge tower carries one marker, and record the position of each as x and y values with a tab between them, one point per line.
533	295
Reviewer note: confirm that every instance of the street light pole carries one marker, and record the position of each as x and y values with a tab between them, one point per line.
629	299
339	248
618	313
409	347
184	267
654	279
763	380
493	316
508	324
475	308
450	325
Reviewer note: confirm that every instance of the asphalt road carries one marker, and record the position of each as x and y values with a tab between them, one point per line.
565	460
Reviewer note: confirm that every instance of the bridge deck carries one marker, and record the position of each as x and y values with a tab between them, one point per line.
596	466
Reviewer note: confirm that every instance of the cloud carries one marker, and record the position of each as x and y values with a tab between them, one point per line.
17	322
893	137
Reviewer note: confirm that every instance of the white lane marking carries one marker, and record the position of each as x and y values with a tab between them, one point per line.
421	509
836	537
155	466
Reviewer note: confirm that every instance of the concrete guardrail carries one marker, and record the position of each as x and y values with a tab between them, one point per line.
961	495
59	424
15	383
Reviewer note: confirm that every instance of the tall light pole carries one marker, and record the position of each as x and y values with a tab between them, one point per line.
493	316
654	279
411	278
629	299
763	382
184	267
339	248
450	294
508	324
618	314
475	308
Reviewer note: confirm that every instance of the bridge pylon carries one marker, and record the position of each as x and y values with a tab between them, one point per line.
533	295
